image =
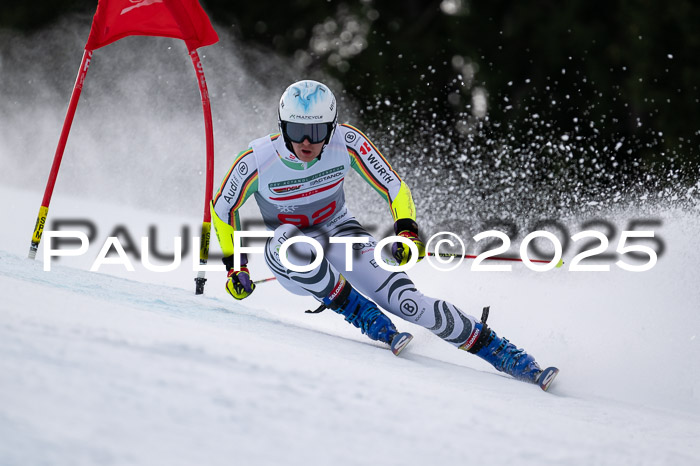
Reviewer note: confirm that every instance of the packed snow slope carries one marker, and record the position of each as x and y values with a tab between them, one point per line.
117	367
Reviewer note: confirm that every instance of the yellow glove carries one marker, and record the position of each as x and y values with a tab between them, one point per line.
239	284
407	228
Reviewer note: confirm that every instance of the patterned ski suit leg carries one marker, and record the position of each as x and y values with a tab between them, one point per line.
395	292
317	283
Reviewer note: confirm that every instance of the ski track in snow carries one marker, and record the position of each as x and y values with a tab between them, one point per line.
119	368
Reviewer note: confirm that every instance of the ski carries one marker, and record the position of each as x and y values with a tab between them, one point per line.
400	341
546	377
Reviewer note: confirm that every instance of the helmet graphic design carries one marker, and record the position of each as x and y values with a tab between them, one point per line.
307	110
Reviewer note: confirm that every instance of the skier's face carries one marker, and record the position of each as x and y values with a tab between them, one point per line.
307	151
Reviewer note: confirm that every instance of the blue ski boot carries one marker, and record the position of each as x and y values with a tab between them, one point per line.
365	315
502	354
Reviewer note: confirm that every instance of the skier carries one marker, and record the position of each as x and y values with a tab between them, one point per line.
297	179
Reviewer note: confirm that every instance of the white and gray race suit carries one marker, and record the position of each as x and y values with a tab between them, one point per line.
298	198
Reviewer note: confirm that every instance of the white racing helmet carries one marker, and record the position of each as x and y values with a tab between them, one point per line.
307	110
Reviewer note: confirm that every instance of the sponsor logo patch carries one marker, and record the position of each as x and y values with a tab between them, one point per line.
338	288
305	117
286	189
408	307
471	340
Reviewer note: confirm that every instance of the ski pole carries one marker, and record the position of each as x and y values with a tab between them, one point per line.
264	280
511	259
467	256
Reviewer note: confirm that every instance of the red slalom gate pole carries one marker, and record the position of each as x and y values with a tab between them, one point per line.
208	128
48	192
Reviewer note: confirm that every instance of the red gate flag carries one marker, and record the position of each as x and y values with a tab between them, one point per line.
115	19
179	19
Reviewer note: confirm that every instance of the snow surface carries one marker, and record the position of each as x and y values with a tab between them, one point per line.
120	367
